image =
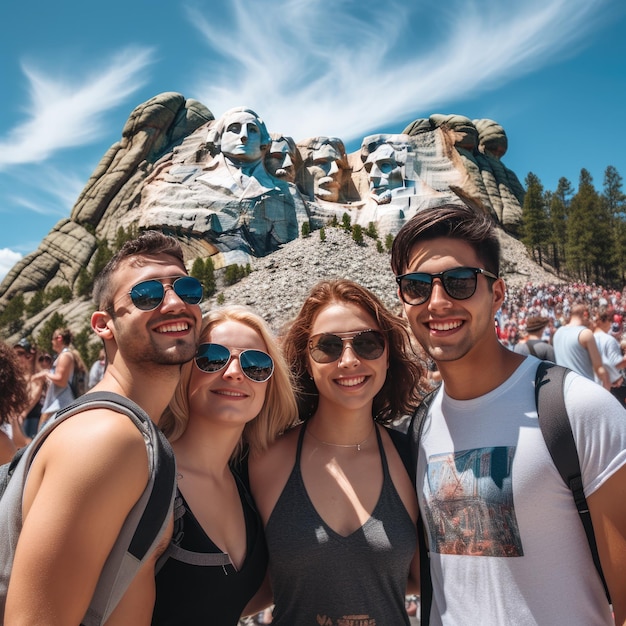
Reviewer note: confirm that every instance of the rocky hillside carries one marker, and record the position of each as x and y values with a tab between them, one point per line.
279	283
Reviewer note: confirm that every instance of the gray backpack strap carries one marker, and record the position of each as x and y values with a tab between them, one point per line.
143	527
530	344
557	432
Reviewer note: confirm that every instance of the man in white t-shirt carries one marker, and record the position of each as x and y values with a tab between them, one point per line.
610	351
506	545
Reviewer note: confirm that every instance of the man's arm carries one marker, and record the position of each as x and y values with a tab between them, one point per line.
87	476
607	506
588	341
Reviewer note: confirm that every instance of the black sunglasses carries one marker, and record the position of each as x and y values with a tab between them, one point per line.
328	347
258	366
149	294
458	282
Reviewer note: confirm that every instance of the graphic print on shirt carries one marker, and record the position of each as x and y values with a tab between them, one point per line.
346	620
469	503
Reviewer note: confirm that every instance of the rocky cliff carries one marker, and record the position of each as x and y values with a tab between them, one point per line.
166	173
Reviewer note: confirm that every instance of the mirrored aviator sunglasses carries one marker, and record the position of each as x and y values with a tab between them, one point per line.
149	294
459	283
256	365
328	347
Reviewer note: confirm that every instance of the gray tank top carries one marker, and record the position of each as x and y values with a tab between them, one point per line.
569	352
322	578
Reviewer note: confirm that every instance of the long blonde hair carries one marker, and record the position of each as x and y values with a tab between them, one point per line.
279	410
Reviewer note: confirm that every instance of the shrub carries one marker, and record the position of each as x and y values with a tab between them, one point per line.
372	231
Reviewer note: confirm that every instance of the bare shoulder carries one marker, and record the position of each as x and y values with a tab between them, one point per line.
96	449
85	479
270	470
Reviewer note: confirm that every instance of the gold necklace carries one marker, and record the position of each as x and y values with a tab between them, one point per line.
342	445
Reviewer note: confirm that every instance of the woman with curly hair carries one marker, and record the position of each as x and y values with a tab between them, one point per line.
339	508
13	399
235	397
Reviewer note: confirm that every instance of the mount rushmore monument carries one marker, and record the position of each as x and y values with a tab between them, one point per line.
233	189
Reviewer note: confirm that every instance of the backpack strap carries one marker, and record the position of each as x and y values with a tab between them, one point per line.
415	433
146	521
557	432
530	344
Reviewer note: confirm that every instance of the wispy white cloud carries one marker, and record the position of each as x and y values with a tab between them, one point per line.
8	258
311	68
54	193
65	112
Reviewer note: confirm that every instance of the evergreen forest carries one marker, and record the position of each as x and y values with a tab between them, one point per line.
580	234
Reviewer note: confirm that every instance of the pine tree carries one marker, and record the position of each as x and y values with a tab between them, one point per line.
371	230
101	257
346	222
44	338
36	304
357	234
208	281
84	282
306	230
588	233
615	203
197	269
534	217
322	234
11	317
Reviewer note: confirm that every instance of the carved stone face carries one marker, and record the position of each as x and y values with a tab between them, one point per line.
241	139
280	160
327	172
383	169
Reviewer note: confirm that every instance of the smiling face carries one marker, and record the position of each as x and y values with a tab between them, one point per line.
351	382
228	396
166	335
448	329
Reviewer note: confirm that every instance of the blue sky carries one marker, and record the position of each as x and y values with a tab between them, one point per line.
551	72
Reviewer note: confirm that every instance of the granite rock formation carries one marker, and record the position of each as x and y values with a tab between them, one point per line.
169	171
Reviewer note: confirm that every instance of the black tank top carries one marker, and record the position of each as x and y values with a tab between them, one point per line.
189	594
322	578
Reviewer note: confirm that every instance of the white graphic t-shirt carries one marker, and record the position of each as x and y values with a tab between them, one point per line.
506	542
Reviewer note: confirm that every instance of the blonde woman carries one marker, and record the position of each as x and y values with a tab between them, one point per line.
236	396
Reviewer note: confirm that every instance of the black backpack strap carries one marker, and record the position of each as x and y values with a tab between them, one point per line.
415	433
557	432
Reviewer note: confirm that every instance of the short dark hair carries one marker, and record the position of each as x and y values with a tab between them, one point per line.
457	221
150	242
401	391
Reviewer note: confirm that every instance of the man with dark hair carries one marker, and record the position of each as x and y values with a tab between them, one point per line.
92	469
506	545
534	343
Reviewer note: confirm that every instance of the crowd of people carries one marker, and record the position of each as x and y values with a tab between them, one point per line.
295	488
